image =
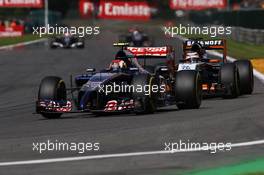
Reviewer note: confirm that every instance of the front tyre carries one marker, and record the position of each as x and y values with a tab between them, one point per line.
145	100
188	89
52	89
82	45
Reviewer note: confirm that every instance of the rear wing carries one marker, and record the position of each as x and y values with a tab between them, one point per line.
165	53
149	52
207	45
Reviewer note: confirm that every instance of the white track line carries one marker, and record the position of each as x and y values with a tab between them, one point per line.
22	44
120	155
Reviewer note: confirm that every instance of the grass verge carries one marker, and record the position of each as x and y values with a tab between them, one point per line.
16	40
244	168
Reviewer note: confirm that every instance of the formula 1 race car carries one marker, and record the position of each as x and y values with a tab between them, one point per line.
67	41
124	86
136	38
219	77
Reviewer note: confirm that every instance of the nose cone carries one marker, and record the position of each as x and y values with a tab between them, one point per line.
85	97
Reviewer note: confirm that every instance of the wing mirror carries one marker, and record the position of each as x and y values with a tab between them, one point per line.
90	70
163	69
133	69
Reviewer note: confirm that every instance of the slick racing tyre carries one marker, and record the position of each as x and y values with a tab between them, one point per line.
229	77
82	45
246	78
51	45
54	89
188	89
145	100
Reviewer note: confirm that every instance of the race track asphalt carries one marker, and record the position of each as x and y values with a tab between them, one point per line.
218	120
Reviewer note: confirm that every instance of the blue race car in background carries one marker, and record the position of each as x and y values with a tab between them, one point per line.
67	41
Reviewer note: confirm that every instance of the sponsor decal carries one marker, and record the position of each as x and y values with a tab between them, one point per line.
116	10
11	31
55	106
22	3
197	4
207	43
86	8
154	51
113	105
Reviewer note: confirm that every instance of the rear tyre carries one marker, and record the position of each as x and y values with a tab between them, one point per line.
246	78
229	77
188	89
83	44
51	44
145	100
54	89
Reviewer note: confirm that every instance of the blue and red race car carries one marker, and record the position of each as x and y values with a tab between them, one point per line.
128	84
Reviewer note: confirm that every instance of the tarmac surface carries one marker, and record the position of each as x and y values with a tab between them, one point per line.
21	70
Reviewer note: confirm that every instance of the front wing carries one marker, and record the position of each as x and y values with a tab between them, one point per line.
49	106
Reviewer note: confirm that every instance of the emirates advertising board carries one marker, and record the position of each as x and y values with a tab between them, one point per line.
21	3
116	10
197	4
11	31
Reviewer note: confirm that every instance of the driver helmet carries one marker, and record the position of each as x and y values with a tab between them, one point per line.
136	35
122	55
117	64
67	34
135	32
196	47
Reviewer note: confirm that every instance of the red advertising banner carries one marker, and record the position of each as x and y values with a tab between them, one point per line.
116	10
86	8
125	10
11	31
22	3
197	4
